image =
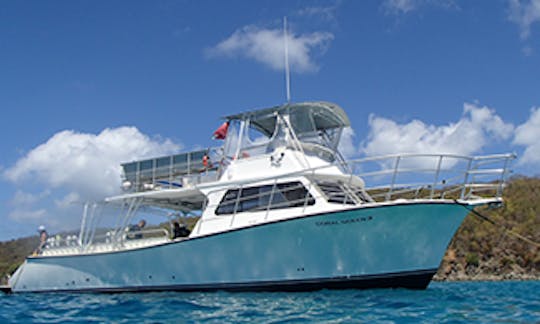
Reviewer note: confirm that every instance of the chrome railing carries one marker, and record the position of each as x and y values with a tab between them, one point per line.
387	178
168	173
433	175
69	244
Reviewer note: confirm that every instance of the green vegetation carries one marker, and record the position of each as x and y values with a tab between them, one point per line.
13	253
479	250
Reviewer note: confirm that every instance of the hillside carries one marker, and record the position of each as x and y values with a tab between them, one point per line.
13	253
482	251
478	251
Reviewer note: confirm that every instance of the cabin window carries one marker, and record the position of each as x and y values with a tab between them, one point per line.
282	195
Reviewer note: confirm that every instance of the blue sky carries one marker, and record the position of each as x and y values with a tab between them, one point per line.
85	85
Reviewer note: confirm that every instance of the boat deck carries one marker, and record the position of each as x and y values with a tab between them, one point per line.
106	247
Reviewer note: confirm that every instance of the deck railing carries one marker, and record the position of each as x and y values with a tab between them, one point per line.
387	178
433	175
172	171
106	241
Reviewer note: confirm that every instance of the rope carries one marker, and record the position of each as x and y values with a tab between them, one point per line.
494	223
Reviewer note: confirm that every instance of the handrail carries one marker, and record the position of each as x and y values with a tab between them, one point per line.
166	175
390	177
144	232
490	171
443	179
58	242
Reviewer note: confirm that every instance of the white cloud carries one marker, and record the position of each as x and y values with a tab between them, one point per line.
486	118
467	136
405	6
68	200
266	46
87	164
23	215
524	14
399	6
346	144
326	13
527	51
22	198
528	135
74	168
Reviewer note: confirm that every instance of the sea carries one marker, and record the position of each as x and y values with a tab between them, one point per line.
455	302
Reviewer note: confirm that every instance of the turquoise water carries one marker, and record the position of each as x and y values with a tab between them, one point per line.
488	302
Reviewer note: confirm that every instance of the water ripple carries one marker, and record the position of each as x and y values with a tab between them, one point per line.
493	302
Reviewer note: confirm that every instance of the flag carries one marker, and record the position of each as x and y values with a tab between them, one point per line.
221	132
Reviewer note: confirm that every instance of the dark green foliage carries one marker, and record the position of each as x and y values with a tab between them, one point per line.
480	249
472	259
13	253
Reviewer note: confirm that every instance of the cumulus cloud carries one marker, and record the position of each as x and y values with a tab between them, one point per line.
25	198
346	143
73	168
524	14
405	6
528	135
266	46
467	136
87	164
68	200
325	13
24	215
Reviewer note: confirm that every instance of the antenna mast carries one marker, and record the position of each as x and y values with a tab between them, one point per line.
287	71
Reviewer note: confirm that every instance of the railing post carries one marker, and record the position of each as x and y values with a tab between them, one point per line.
270	199
236	205
188	164
138	176
437	172
394	175
171	168
83	224
154	165
307	195
466	179
503	175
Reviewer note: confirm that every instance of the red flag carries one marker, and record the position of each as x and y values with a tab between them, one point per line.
221	132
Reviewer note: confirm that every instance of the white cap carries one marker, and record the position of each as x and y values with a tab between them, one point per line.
41	228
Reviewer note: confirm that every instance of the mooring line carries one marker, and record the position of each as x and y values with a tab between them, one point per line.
494	223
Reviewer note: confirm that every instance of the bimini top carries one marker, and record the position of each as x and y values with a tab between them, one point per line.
305	116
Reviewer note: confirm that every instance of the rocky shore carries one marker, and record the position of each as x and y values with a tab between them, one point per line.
502	244
455	269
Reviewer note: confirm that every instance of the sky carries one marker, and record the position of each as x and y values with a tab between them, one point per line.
87	85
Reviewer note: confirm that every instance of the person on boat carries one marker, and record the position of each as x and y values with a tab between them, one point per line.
180	230
136	230
206	162
43	236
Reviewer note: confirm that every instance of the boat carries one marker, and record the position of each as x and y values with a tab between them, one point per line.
279	209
